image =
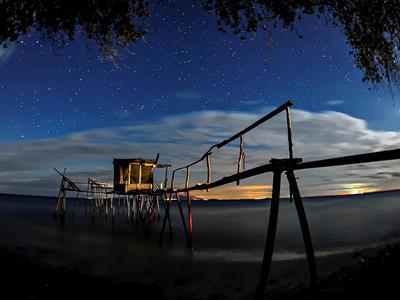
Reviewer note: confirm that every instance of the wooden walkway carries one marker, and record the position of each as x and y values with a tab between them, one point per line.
277	167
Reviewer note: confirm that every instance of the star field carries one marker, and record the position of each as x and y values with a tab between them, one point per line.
184	64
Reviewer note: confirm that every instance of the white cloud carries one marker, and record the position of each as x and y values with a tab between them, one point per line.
6	53
184	138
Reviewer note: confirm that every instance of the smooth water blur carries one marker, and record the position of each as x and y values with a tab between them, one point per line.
224	231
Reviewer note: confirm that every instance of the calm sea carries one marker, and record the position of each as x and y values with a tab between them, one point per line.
225	232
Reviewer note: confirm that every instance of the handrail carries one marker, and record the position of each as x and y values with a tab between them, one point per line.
296	164
257	123
268	116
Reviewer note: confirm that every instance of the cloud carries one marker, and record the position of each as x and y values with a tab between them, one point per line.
6	53
334	102
183	138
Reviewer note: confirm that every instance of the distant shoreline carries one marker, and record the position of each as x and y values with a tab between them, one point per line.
310	197
221	200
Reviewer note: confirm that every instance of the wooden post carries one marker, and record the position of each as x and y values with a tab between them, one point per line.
290	143
75	202
113	208
306	234
166	178
60	207
178	200
158	206
87	194
240	163
190	218
106	204
60	192
128	208
289	131
167	217
270	240
208	168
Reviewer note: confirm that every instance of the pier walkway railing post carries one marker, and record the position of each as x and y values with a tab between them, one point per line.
306	234
270	240
278	166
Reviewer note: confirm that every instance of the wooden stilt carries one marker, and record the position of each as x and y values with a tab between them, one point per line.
141	205
134	208
208	168
158	206
112	208
128	208
166	217
240	163
167	214
75	203
306	233
169	218
178	201
64	202
106	208
270	240
190	219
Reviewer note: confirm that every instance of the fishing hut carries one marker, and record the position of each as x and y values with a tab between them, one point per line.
134	190
134	179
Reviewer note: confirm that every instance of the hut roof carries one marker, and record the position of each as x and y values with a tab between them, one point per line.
139	160
134	160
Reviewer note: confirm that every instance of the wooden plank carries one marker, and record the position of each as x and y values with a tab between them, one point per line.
351	159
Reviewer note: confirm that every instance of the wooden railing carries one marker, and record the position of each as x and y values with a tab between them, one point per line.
277	167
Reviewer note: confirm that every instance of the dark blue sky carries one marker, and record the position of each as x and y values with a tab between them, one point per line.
69	108
183	65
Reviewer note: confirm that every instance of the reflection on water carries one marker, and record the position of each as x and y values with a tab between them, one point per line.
223	231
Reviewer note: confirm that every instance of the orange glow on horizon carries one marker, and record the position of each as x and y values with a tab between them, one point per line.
236	192
358	189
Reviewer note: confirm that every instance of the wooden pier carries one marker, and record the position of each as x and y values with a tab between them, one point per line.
133	181
277	167
142	198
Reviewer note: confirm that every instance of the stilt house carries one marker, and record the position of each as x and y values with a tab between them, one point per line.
135	176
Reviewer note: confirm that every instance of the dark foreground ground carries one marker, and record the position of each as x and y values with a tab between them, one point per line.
23	277
373	277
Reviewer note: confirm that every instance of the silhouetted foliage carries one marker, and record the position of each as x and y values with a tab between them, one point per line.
108	22
372	27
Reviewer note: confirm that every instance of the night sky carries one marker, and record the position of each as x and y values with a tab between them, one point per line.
69	108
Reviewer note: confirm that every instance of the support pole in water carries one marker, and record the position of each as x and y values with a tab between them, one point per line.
306	233
178	201
273	219
167	216
190	241
270	240
190	218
